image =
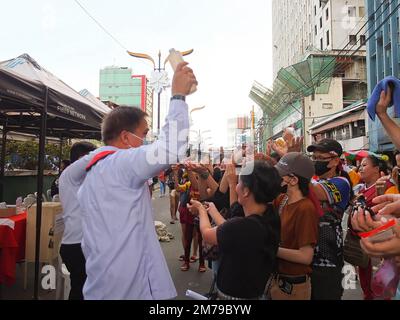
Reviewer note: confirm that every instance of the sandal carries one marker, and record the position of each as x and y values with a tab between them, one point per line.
202	268
185	267
193	259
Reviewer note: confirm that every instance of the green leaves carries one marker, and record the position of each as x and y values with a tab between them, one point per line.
25	154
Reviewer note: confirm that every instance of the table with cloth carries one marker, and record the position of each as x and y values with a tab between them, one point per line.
12	246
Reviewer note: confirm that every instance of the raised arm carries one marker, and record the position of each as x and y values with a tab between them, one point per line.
392	129
147	161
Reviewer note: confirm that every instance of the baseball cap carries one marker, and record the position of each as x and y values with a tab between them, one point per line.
327	145
296	163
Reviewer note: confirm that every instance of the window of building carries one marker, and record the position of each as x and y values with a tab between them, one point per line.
327	38
320	22
327	13
352	11
363	40
353	39
315	10
327	106
361	11
322	44
316	30
358	128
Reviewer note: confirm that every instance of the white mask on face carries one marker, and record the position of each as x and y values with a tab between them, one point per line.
144	140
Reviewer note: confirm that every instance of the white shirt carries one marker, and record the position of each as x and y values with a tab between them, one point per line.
124	259
69	184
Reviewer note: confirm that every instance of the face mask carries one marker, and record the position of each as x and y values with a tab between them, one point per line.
321	167
144	141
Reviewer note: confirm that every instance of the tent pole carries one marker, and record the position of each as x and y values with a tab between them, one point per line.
60	154
3	161
42	143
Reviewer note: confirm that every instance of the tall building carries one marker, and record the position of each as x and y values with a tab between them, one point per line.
239	131
382	58
312	80
118	85
300	26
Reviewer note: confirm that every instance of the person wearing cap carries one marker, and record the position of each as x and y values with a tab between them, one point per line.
334	191
299	229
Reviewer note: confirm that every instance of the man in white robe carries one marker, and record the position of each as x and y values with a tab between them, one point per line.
124	259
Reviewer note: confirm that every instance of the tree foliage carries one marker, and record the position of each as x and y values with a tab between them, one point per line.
25	154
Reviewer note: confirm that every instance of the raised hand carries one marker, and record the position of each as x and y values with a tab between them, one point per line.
196	167
195	207
296	145
387	205
384	102
280	150
183	80
269	147
231	175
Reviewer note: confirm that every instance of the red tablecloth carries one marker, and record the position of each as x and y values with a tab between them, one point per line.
12	248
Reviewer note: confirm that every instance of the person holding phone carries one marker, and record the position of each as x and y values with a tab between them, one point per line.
247	245
371	171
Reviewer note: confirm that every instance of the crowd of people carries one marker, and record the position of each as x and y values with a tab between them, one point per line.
270	232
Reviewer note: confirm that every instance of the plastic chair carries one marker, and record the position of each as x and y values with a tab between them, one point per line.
56	198
49	197
28	201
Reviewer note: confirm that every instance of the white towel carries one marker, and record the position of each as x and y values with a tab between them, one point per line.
7	222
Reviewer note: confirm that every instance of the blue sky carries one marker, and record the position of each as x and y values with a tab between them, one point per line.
232	40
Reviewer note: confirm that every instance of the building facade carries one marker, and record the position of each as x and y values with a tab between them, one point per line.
349	127
382	58
301	26
118	85
239	131
308	39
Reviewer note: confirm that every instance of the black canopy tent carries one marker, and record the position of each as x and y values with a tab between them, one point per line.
34	101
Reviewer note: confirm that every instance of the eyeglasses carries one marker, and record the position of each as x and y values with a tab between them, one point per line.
322	159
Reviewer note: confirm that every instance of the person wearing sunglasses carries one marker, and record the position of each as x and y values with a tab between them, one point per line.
333	189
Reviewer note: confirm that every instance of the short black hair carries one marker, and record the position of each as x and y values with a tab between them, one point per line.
66	162
121	119
80	149
381	164
264	182
304	185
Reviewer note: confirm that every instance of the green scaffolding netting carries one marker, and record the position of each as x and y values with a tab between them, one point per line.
312	76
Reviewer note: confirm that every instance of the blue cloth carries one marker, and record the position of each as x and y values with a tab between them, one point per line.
337	190
376	95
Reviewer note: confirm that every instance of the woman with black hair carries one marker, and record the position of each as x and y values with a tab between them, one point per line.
247	245
299	214
371	170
